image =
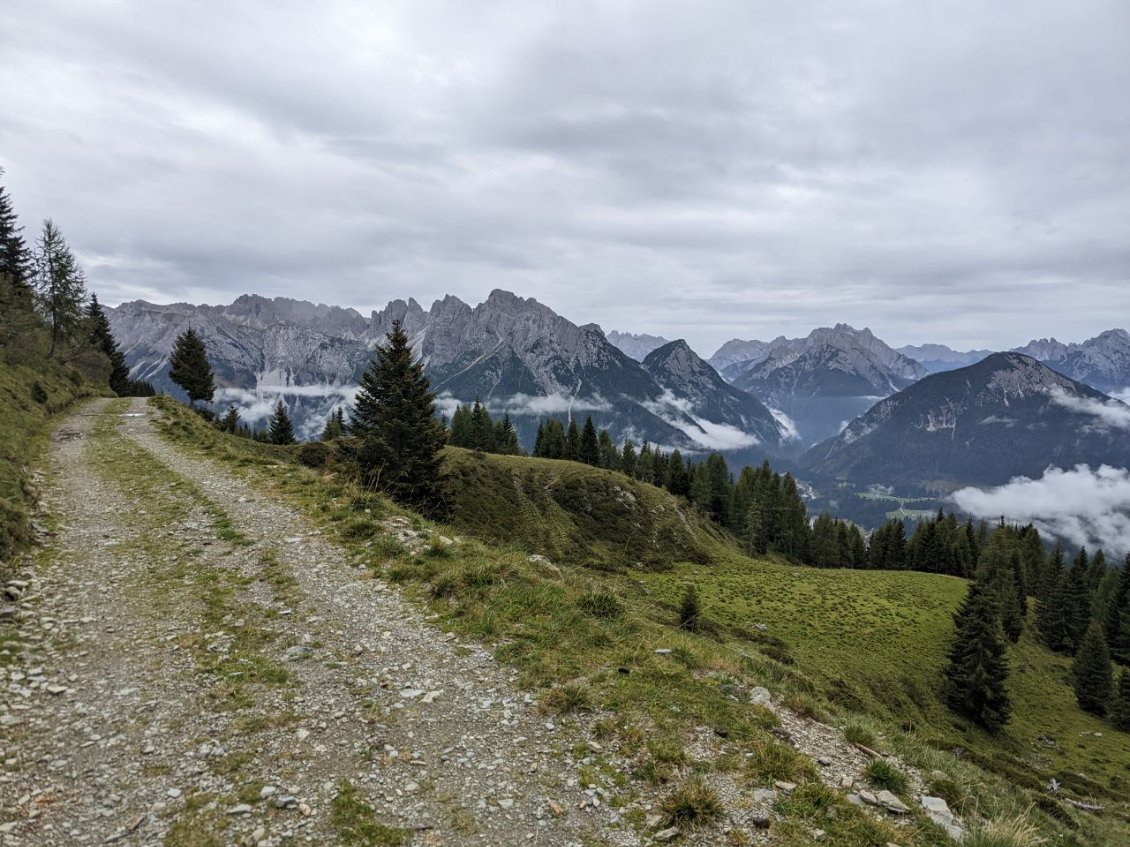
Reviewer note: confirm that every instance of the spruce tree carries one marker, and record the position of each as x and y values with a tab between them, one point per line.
609	455
689	609
1052	617
1078	598
589	450
230	421
103	341
539	441
280	430
506	437
1091	671
1117	619
16	262
482	429
400	450
977	673
335	425
60	284
189	367
461	427
628	458
1120	703
573	441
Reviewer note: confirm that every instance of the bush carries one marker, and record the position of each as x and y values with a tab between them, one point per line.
314	454
693	802
883	774
601	604
38	393
689	609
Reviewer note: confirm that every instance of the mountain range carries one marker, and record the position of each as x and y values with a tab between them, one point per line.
636	345
1005	416
514	354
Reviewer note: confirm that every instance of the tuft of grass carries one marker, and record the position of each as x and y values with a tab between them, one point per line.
601	604
354	822
1014	831
858	733
882	774
771	760
693	803
563	699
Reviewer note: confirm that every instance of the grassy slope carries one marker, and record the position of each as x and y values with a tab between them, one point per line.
874	642
571	512
840	643
25	425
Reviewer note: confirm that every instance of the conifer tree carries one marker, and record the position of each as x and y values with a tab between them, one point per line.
1117	618
461	427
103	341
573	441
1091	671
628	458
689	609
280	430
589	446
553	440
1052	617
230	421
400	450
609	455
60	283
1120	703
189	367
645	464
335	425
1078	598
977	673
505	438
678	482
16	262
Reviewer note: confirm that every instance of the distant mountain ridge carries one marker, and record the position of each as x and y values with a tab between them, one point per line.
939	357
983	424
513	353
635	345
1102	361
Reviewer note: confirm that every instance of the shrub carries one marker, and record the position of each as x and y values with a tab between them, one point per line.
883	774
38	393
601	604
314	454
693	802
689	609
570	697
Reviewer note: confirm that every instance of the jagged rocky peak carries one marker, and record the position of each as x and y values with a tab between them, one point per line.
1102	361
1015	375
636	345
737	351
677	358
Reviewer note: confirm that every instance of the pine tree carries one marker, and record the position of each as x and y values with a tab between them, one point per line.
609	455
1120	704
400	450
189	368
1078	598
573	442
976	677
628	458
103	341
335	425
1117	618
230	421
553	440
461	427
16	262
506	437
1092	671
589	448
280	430
60	283
1052	617
689	609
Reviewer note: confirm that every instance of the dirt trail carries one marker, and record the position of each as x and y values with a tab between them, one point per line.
197	666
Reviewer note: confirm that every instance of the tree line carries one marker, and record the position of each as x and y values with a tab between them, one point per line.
46	311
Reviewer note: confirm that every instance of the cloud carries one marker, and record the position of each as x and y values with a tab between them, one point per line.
1081	505
308	405
764	167
789	431
1113	414
532	405
680	413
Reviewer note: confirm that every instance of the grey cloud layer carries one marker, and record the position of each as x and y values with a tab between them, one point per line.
955	171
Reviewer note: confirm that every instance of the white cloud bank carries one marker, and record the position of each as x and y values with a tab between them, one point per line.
679	412
1113	414
1081	505
310	405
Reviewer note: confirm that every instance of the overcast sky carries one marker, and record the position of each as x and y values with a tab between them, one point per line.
939	171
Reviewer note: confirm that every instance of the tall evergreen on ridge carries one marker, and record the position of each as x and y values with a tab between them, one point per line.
400	450
1117	622
60	284
189	367
1078	598
280	430
335	425
103	340
573	441
1092	670
16	262
977	673
506	437
589	450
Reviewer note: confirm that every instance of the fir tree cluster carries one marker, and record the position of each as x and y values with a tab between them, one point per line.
473	428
